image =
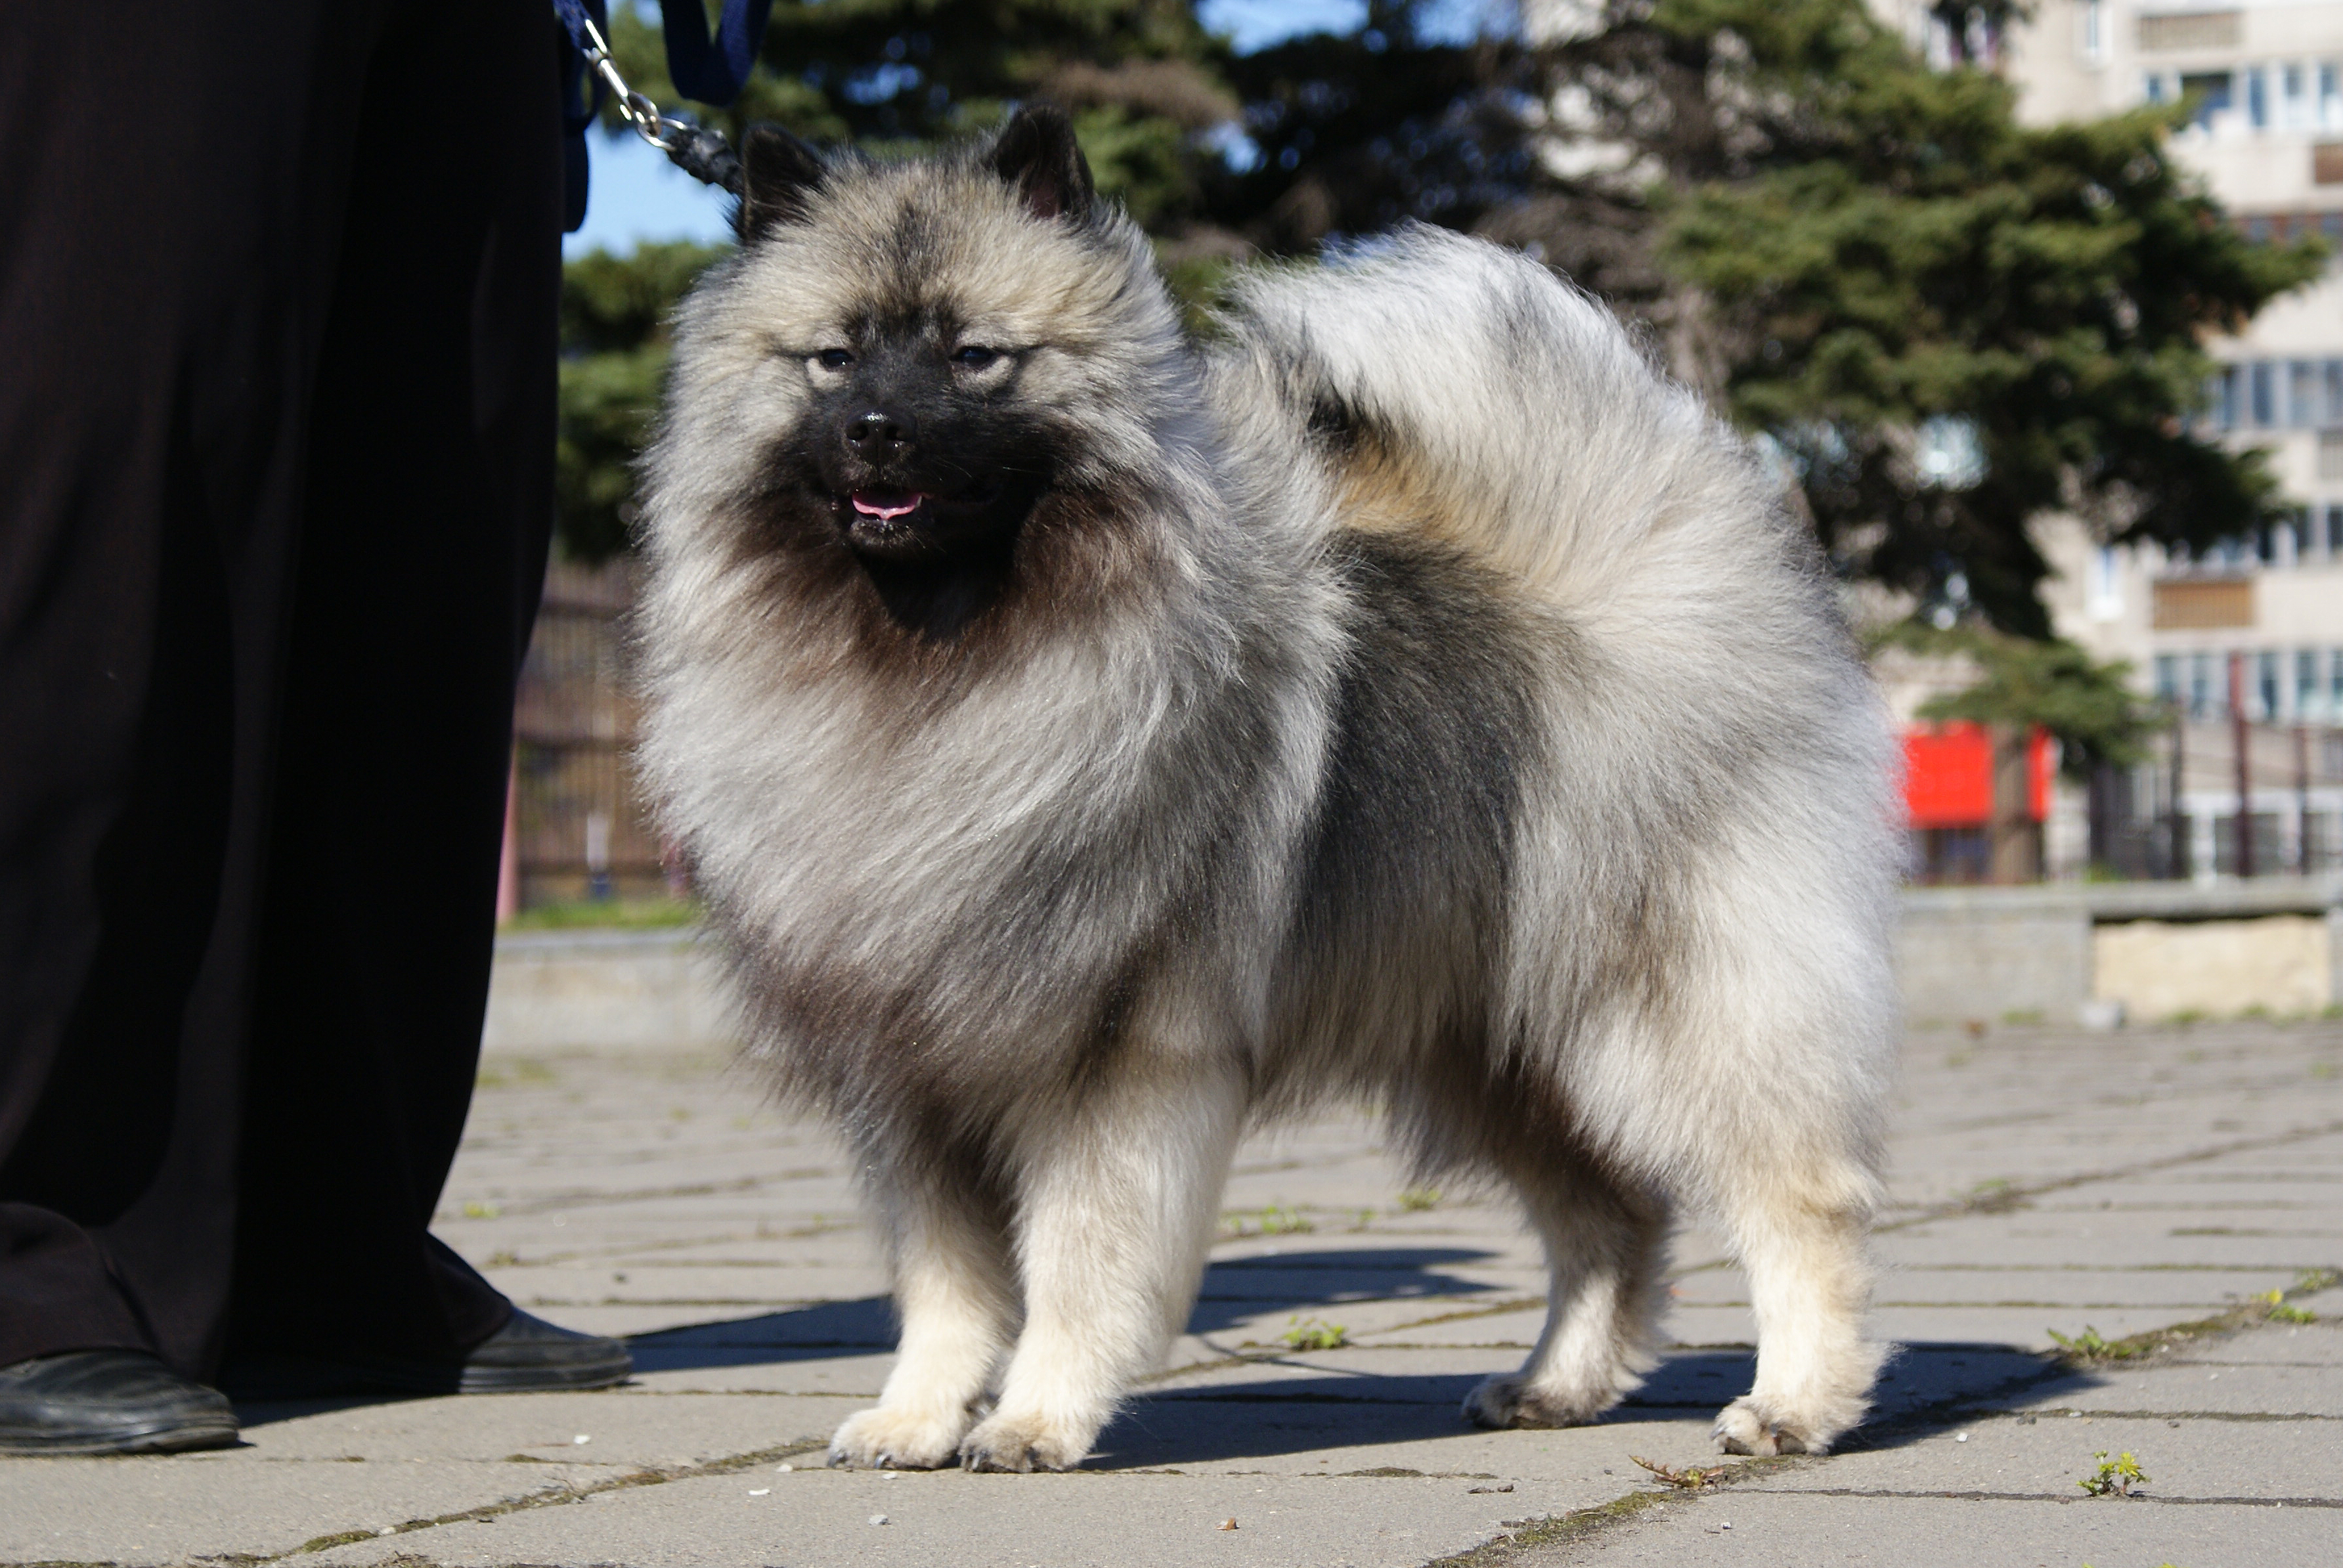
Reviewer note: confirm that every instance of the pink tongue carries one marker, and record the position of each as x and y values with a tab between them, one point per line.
887	503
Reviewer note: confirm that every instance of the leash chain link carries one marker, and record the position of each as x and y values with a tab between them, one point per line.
699	152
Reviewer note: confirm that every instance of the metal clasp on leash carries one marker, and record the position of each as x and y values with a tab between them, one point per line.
698	151
633	107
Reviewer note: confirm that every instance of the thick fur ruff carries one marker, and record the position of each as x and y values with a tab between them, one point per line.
1407	694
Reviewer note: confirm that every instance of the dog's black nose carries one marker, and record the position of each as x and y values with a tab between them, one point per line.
880	434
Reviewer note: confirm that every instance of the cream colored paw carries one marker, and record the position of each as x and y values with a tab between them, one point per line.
884	1439
1510	1399
1025	1442
1746	1426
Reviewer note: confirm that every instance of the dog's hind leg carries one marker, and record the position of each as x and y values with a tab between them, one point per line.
1116	1204
955	1291
1605	1245
1802	1244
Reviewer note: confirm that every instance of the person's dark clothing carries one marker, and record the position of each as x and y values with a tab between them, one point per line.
277	292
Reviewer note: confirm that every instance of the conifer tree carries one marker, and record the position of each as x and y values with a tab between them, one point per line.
1948	323
896	76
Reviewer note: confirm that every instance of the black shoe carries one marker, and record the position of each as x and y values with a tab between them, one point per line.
527	1355
107	1402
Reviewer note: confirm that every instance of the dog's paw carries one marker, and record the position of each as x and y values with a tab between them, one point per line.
885	1439
1745	1426
1023	1443
1510	1399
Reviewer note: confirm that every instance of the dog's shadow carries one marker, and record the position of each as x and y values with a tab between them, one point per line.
1235	1291
1926	1389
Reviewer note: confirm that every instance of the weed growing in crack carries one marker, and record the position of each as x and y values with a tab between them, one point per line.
1995	1195
2087	1348
1317	1334
1416	1199
1689	1478
1272	1221
2115	1477
2278	1311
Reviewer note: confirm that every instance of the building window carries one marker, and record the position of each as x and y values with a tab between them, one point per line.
2330	97
2309	699
2105	597
2334	379
2095	31
2332	545
2211	90
2200	684
2266	694
2153	85
2335	682
2294	104
2261	395
2167	679
2257	108
2302	394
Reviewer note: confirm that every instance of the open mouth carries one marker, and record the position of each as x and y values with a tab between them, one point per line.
904	524
881	504
888	505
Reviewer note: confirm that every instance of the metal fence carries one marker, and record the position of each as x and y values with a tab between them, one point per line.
2176	815
577	828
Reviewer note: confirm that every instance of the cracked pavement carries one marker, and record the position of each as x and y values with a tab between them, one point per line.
2105	1187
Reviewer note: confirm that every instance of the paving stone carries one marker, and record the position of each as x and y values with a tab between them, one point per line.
1773	1528
818	1519
2249	1239
166	1510
625	1430
2034	1289
2186	1169
751	1370
2193	1458
2186	1388
2318	1344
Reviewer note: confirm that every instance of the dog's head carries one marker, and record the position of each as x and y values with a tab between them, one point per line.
925	357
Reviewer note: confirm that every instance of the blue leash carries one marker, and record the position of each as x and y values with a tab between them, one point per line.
709	70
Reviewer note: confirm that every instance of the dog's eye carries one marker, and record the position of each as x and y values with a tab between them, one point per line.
833	359
975	359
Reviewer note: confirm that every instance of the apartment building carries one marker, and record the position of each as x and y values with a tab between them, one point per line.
2265	78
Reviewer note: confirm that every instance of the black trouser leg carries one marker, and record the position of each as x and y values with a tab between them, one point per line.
428	515
183	310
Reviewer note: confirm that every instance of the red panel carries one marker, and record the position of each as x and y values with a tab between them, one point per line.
1948	776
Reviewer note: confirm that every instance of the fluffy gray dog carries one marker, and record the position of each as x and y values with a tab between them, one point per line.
1089	740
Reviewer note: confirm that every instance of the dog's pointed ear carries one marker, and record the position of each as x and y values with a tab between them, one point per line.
778	173
1038	158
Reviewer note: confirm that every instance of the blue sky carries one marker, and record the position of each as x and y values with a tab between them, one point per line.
636	194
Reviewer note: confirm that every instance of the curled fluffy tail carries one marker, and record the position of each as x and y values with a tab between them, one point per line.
1461	392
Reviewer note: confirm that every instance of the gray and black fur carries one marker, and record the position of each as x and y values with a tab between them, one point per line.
1090	741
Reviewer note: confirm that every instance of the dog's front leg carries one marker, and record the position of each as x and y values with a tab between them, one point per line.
955	1291
1116	1201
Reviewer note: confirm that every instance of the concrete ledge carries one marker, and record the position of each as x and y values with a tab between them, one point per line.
2160	948
1962	954
2105	901
551	990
